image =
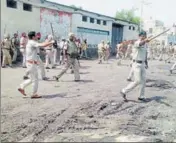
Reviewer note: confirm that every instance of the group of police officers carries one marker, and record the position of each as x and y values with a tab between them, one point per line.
70	50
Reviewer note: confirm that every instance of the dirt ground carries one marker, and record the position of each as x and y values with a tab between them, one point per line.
91	110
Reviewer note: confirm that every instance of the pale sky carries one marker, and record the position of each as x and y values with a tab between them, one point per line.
163	10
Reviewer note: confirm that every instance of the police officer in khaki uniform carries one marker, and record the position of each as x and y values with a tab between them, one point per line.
6	47
31	62
72	60
101	49
15	46
139	57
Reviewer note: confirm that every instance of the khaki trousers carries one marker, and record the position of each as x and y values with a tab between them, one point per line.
6	56
14	55
71	62
100	56
139	79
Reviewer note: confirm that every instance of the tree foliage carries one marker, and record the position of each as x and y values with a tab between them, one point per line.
128	15
77	7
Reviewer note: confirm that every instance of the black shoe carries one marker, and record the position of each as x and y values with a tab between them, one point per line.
44	78
129	79
25	77
53	67
3	66
77	80
47	68
142	99
56	78
124	96
24	67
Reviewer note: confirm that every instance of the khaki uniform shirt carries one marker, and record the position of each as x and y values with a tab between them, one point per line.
101	47
6	44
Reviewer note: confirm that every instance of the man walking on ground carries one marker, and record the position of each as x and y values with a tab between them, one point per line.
32	58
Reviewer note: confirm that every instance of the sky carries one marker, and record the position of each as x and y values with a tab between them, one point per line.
163	10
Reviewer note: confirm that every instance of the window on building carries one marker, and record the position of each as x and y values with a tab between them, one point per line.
84	18
11	3
91	20
133	28
129	27
98	21
27	7
150	30
104	23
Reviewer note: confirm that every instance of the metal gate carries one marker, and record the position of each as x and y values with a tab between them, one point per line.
117	36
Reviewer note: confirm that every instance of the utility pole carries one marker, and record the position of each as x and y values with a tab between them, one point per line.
143	2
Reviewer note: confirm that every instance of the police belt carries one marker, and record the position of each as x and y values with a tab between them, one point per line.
48	49
137	61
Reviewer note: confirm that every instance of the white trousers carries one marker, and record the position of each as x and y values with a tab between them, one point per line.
23	52
174	66
54	56
131	74
40	67
139	79
33	78
49	57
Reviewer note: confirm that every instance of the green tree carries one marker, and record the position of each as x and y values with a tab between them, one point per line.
128	15
77	7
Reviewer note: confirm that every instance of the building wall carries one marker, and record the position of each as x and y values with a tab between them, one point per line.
16	19
61	22
94	32
130	32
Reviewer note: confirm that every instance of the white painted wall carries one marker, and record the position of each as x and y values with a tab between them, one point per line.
92	38
61	23
130	34
18	19
24	21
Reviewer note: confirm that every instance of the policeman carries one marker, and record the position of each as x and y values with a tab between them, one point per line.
84	48
107	51
6	47
72	60
15	45
101	48
139	57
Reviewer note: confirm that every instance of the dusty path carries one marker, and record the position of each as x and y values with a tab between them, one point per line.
91	110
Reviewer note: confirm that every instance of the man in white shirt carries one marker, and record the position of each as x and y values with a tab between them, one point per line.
139	58
49	53
40	63
23	42
32	58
